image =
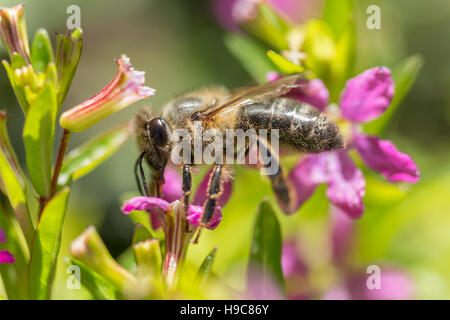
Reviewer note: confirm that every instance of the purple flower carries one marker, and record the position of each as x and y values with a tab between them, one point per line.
313	92
290	260
226	13
5	256
395	284
168	213
364	98
342	231
352	283
171	192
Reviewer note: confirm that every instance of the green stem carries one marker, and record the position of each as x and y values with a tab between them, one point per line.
59	161
56	171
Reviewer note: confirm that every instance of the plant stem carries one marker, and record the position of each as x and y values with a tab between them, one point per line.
59	161
58	165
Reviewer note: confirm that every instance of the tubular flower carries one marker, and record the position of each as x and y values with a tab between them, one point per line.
126	88
171	193
5	256
364	98
13	31
168	213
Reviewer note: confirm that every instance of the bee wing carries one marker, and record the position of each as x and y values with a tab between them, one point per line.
249	95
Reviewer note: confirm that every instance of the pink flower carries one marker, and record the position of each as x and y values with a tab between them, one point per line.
313	92
126	88
5	256
395	284
364	98
228	11
172	191
291	262
352	283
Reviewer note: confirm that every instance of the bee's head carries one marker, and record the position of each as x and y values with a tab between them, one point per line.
159	144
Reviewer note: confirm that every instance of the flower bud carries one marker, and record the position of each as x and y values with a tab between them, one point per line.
13	32
148	257
89	249
125	89
67	57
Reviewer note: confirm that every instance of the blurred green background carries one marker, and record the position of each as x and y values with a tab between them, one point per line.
180	46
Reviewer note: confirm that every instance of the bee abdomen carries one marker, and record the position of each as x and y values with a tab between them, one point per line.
300	125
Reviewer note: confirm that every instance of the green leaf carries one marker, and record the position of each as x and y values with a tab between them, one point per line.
265	252
16	195
337	13
127	261
404	77
91	154
205	268
38	134
251	55
12	180
141	233
284	65
98	286
41	51
46	246
68	54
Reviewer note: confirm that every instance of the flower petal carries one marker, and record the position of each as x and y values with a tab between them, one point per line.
305	177
201	193
195	213
383	156
367	96
346	184
291	260
172	188
144	203
313	92
6	257
394	284
2	236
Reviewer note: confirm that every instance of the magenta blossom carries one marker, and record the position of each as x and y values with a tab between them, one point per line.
228	11
171	192
349	283
5	256
364	98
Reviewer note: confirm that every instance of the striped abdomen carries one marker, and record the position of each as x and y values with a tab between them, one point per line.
300	125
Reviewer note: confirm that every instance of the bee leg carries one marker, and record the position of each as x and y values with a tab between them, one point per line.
187	185
141	173
281	187
215	189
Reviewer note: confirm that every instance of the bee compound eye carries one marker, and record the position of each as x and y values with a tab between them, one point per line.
158	131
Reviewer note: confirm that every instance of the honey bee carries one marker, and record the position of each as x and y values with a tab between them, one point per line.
301	128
